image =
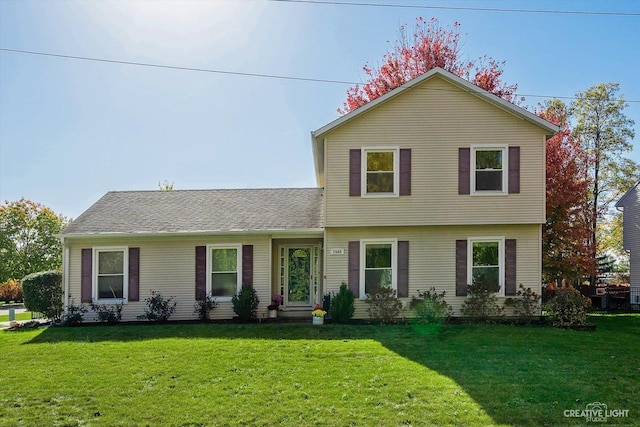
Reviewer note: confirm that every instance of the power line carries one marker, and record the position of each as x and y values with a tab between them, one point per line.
244	74
175	67
475	9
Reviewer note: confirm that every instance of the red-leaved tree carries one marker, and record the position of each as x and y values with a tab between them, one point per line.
412	55
566	239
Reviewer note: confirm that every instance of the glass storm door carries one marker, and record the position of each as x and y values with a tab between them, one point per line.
299	276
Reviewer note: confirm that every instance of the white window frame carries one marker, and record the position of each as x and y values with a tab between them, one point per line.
396	170
238	248
505	169
492	239
363	260
125	274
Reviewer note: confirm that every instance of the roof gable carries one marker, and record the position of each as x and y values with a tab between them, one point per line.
628	198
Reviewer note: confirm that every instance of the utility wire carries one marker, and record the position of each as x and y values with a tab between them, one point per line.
475	9
245	74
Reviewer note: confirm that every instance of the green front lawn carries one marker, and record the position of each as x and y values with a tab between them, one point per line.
19	316
304	375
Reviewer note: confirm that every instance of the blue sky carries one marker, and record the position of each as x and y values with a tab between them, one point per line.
72	130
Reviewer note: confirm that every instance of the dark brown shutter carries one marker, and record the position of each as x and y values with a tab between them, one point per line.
134	274
464	170
355	170
354	268
461	268
510	267
201	273
247	266
514	169
86	275
405	171
403	269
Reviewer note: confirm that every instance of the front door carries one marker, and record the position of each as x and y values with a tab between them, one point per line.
298	275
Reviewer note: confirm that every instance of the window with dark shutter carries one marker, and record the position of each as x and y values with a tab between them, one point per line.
405	171
134	274
510	267
354	268
403	269
247	266
461	268
464	170
201	273
86	275
355	170
514	170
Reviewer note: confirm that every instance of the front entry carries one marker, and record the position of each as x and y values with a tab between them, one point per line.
298	264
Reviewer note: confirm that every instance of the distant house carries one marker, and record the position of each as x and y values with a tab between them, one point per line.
438	183
630	203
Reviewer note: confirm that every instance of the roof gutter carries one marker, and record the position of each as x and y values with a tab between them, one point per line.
197	233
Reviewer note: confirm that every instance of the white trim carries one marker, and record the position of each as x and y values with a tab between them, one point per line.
238	248
394	262
501	259
285	268
65	273
396	170
505	169
95	270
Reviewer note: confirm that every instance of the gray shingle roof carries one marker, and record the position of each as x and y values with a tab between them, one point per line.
185	211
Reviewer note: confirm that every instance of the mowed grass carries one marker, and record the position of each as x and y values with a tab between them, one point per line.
24	316
304	375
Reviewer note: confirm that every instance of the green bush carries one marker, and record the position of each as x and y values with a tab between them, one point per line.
526	304
203	308
245	304
158	309
74	314
11	290
568	307
384	306
430	307
43	293
342	306
109	314
481	304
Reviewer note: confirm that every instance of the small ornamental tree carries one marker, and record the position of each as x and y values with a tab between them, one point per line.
342	306
43	293
417	51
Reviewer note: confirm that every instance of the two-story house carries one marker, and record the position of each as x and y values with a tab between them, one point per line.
630	205
436	184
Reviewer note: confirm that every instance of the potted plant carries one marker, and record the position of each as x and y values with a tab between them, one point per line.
317	315
276	300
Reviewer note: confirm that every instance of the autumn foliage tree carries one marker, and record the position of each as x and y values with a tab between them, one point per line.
428	46
566	239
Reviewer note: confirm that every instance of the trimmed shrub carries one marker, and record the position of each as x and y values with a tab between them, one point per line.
109	314
203	308
568	307
526	304
481	304
342	307
43	293
430	307
245	304
74	314
11	290
158	309
384	306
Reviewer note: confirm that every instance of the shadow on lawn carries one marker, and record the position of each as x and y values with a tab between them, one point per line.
518	375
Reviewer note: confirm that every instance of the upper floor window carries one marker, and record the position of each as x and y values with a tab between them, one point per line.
111	275
224	271
488	170
380	171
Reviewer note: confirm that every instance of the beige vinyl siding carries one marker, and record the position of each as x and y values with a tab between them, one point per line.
631	233
432	256
168	266
434	120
